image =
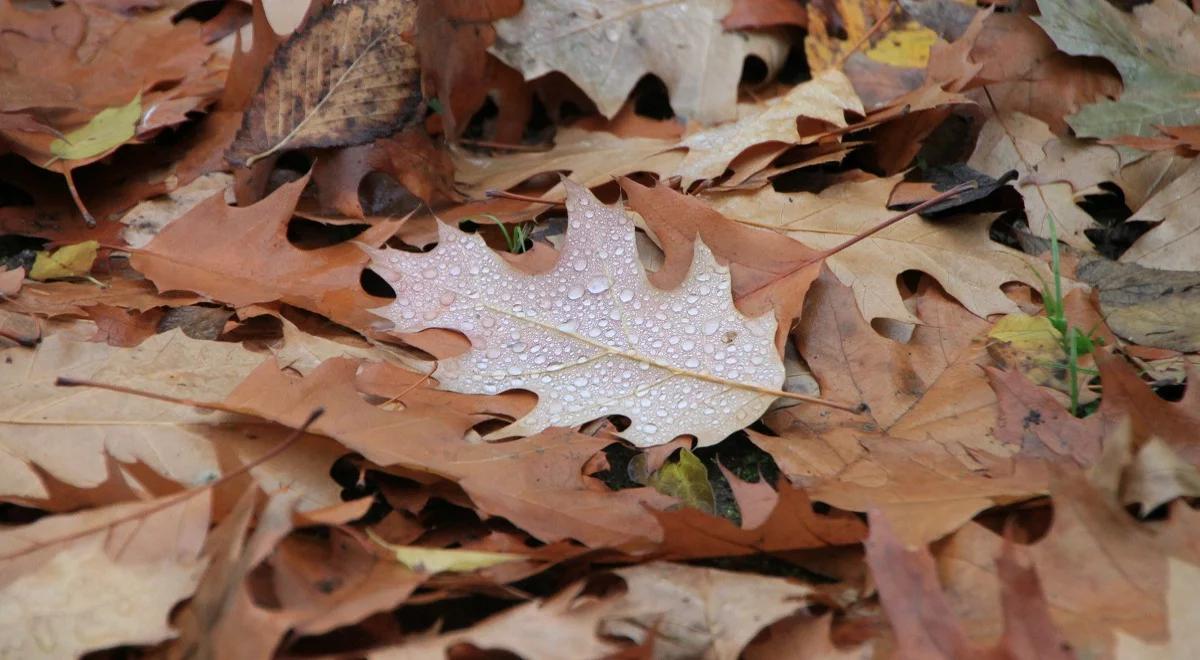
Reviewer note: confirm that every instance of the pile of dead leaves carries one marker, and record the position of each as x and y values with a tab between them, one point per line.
629	328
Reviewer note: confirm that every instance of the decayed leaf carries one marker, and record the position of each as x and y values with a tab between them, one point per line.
958	254
67	261
592	337
114	587
606	47
1148	306
347	78
1155	49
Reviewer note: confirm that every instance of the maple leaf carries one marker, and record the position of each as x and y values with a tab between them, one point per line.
592	337
604	48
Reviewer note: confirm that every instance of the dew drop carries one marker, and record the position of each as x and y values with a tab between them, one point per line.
598	284
691	363
430	314
711	326
569	326
649	428
447	298
688	345
580	382
626	295
455	271
575	292
487	322
429	273
579	265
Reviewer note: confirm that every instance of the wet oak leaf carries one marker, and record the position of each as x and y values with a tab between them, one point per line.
606	47
346	78
592	337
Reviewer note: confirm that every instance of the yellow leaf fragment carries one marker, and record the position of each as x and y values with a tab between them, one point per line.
441	560
109	129
906	46
1031	334
67	261
686	480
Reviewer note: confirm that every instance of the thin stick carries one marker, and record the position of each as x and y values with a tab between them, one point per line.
64	381
172	500
487	144
88	218
521	198
841	60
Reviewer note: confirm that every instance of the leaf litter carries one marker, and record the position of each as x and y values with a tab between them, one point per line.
550	330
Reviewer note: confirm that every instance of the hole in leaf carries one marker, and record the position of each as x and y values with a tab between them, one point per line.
754	70
795	67
312	235
374	285
651	98
201	11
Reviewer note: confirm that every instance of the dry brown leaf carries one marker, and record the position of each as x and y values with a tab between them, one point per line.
357	79
958	254
535	482
599	45
1175	243
687	612
67	432
106	589
592	337
242	256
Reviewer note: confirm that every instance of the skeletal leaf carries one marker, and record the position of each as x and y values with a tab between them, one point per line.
109	129
591	337
346	79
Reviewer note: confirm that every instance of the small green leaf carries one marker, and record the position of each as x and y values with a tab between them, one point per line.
686	480
67	261
441	560
109	129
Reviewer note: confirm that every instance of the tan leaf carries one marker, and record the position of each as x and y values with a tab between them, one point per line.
347	77
958	254
592	337
603	47
114	587
67	432
1175	242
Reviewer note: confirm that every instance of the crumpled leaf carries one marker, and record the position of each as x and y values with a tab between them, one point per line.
686	479
67	261
109	129
442	560
605	48
358	80
592	337
1156	49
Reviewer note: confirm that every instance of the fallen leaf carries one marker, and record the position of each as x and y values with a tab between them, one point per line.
11	280
685	479
242	256
600	48
588	322
958	254
341	104
67	261
1183	579
1154	49
39	420
112	587
1168	246
749	14
1148	306
109	129
442	560
117	326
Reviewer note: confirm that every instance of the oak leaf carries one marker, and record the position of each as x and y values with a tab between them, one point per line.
606	47
357	81
592	337
113	587
959	254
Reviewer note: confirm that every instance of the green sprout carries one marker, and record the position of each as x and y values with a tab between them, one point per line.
1073	341
515	239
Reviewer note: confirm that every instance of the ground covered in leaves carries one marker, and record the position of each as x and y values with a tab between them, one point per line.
614	329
